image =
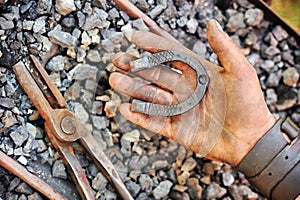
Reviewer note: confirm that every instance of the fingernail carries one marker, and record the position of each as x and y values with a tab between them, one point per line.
218	26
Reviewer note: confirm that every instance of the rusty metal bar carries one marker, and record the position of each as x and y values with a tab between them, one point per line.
135	13
32	180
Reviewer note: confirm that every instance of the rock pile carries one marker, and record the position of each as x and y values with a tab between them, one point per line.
87	35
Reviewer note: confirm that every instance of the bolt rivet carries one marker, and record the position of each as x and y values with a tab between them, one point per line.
202	79
68	125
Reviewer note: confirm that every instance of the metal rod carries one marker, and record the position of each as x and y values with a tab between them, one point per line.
134	12
32	180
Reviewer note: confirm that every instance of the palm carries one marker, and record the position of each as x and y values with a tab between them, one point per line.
225	124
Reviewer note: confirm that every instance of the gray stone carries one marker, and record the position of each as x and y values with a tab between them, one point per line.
85	39
69	22
270	52
108	45
23	188
44	6
274	78
73	92
61	38
107	136
65	7
235	23
22	160
139	24
192	25
81	53
85	71
27	25
242	192
59	170
287	56
99	182
56	63
145	182
279	33
290	77
91	85
34	196
132	136
251	39
254	59
39	25
214	191
133	188
181	22
18	151
158	9
113	14
100	122
101	3
253	17
94	56
55	78
6	24
200	48
19	136
96	20
14	183
80	113
267	65
98	136
271	96
44	157
271	39
159	164
41	146
227	178
97	108
7	102
162	190
8	119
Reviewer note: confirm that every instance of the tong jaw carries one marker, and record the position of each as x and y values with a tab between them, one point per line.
63	127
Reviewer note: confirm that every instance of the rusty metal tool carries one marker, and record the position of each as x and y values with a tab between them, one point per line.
63	127
32	180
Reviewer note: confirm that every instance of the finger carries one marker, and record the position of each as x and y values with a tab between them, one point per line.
140	89
155	124
122	59
154	43
229	54
160	75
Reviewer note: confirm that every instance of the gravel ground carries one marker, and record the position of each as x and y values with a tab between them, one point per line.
87	34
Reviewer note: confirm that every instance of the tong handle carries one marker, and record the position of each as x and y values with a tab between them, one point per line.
42	79
32	90
104	164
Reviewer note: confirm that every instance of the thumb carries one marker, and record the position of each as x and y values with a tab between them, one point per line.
232	59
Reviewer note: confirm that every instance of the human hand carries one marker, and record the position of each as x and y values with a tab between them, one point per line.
231	117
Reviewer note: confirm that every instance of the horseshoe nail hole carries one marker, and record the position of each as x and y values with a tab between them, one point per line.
270	173
286	157
202	79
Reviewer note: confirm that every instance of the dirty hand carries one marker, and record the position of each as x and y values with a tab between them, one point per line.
231	117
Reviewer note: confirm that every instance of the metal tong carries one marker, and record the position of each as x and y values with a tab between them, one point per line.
63	127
